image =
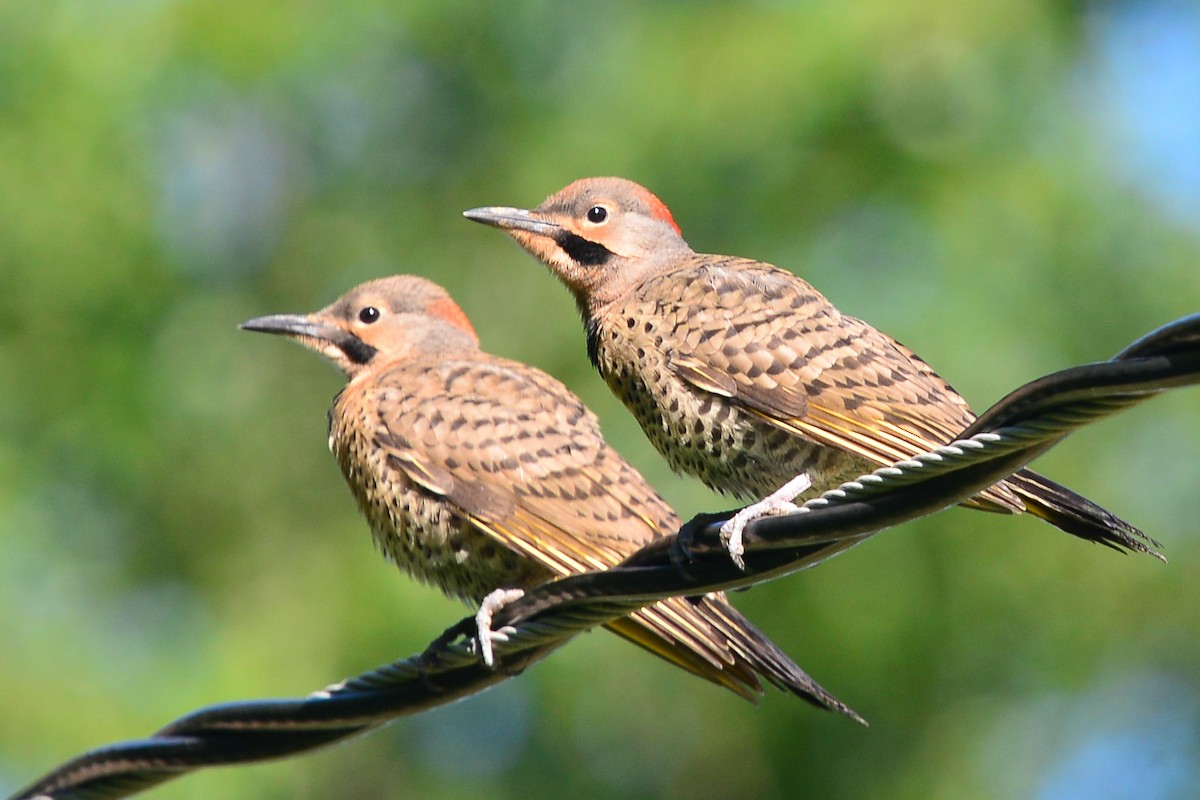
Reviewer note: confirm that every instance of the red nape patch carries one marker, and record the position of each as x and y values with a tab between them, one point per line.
448	310
658	209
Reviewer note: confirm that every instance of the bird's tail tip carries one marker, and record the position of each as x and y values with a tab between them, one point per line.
1078	516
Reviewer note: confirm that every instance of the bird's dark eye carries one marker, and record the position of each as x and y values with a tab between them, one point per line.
597	214
369	314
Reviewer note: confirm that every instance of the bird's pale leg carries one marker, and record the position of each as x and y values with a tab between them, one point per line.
483	620
778	502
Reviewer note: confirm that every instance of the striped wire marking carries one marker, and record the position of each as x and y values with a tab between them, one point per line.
1020	427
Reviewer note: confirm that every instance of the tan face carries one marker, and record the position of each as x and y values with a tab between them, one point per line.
391	318
368	316
596	235
602	206
369	309
602	221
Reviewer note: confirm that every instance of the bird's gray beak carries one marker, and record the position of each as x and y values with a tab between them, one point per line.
293	325
513	219
323	337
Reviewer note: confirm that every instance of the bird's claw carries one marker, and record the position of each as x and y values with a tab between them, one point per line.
483	622
778	502
731	537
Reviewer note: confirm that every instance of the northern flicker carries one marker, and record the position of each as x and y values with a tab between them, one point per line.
483	476
745	375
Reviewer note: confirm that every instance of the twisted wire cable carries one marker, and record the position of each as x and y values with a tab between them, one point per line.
1024	424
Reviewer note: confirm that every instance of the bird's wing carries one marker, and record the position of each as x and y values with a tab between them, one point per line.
522	458
772	344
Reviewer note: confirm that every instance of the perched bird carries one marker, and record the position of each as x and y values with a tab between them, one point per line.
483	476
745	375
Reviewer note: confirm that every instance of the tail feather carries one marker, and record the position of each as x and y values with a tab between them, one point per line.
710	639
1079	516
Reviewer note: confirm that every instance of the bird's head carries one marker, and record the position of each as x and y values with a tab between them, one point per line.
382	320
600	236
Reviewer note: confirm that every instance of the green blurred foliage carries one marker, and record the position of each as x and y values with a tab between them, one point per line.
173	532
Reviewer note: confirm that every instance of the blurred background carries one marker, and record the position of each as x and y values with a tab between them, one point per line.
1009	188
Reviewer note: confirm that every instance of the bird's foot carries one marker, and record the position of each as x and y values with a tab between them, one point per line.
778	502
483	621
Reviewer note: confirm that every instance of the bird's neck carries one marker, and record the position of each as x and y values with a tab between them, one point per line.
620	277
